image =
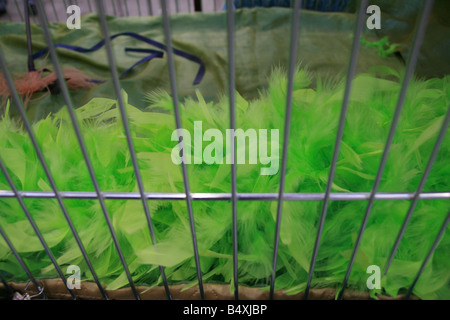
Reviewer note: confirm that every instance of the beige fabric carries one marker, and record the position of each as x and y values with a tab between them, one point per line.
55	289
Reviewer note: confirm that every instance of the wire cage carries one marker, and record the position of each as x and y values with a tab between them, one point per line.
49	17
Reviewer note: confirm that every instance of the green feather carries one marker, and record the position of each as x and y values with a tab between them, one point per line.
315	115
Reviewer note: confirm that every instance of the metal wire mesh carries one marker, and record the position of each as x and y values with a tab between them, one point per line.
119	8
56	9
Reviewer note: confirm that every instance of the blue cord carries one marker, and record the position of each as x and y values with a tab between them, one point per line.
153	53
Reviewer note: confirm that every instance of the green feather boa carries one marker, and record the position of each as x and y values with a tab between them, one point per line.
316	110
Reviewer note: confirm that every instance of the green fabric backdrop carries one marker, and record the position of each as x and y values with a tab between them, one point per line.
262	42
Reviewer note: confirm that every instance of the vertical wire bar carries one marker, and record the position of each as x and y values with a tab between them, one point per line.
114	8
129	138
428	257
34	226
43	20
90	6
18	103
65	7
287	123
350	74
30	61
127	12
120	8
54	11
198	5
7	286
7	12
18	10
177	9
139	7
27	125
173	85
419	34
150	7
231	88
189	6
419	188
21	262
82	146
215	5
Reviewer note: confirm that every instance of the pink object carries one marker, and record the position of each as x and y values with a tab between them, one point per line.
36	81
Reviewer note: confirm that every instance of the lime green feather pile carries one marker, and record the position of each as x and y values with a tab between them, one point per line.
316	109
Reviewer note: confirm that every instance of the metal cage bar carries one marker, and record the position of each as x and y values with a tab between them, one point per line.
7	13
233	196
129	138
138	3
231	90
173	85
411	64
424	178
428	257
114	7
18	103
150	7
65	4
350	74
121	8
35	228
287	125
334	196
54	10
19	11
3	281
90	6
80	140
22	263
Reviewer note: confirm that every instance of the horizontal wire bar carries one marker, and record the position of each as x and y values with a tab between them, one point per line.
223	196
